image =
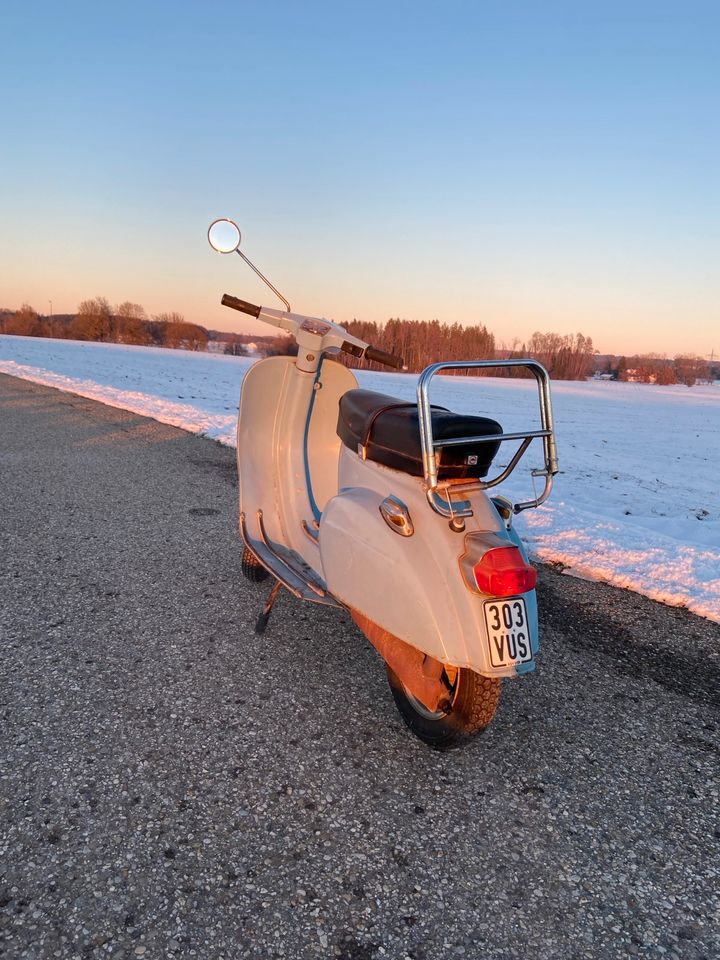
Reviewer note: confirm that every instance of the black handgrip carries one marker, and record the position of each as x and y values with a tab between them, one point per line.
389	359
242	305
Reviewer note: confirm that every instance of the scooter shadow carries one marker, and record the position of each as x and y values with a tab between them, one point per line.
327	679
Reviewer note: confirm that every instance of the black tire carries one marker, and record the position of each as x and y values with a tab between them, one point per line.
473	702
251	567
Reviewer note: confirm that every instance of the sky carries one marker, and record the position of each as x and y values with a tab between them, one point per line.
541	166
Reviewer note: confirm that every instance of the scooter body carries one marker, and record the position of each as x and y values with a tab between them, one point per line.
414	586
429	566
319	505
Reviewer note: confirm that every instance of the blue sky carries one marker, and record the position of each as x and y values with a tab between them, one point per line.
530	166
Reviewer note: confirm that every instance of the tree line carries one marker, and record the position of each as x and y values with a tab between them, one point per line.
565	356
420	343
97	320
568	357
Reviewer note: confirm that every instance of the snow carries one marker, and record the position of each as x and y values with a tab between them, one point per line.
636	503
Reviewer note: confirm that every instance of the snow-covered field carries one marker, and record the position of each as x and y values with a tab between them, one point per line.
636	503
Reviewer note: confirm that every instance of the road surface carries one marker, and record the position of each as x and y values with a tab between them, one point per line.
172	785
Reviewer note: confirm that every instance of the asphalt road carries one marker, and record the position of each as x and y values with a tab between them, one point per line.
172	785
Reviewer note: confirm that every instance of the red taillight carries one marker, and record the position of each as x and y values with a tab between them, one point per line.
502	572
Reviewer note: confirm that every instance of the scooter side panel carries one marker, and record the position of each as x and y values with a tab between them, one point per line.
411	586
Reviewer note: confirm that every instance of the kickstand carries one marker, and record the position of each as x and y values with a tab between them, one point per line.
267	609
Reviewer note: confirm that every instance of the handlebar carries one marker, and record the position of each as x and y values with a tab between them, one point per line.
295	323
372	353
242	305
389	359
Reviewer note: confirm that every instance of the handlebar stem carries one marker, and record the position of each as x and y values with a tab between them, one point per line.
314	336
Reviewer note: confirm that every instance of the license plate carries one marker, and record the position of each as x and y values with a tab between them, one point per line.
508	632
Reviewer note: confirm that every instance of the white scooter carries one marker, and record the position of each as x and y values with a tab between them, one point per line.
359	500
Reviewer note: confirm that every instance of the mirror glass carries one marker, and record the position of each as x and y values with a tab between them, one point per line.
224	236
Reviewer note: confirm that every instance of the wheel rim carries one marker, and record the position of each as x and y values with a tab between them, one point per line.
451	675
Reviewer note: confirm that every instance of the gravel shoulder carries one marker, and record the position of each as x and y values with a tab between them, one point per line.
172	785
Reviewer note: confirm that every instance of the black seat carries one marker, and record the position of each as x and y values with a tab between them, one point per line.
389	430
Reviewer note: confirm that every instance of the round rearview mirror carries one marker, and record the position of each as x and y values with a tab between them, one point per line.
224	235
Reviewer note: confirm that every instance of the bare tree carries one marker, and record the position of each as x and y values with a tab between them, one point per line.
666	375
689	369
93	320
129	323
24	322
172	317
174	331
566	357
169	332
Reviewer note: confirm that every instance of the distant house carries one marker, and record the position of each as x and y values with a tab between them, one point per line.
639	376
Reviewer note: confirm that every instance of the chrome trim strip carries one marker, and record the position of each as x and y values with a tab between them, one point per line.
291	578
309	533
314	586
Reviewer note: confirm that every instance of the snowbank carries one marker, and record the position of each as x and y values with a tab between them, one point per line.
636	503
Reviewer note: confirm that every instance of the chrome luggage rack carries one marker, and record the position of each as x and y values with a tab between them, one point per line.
448	507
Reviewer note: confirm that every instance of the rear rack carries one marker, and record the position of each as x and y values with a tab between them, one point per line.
448	507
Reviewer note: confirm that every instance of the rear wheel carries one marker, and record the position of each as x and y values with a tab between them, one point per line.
471	704
251	567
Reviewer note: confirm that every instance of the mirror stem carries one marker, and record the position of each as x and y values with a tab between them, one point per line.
264	279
